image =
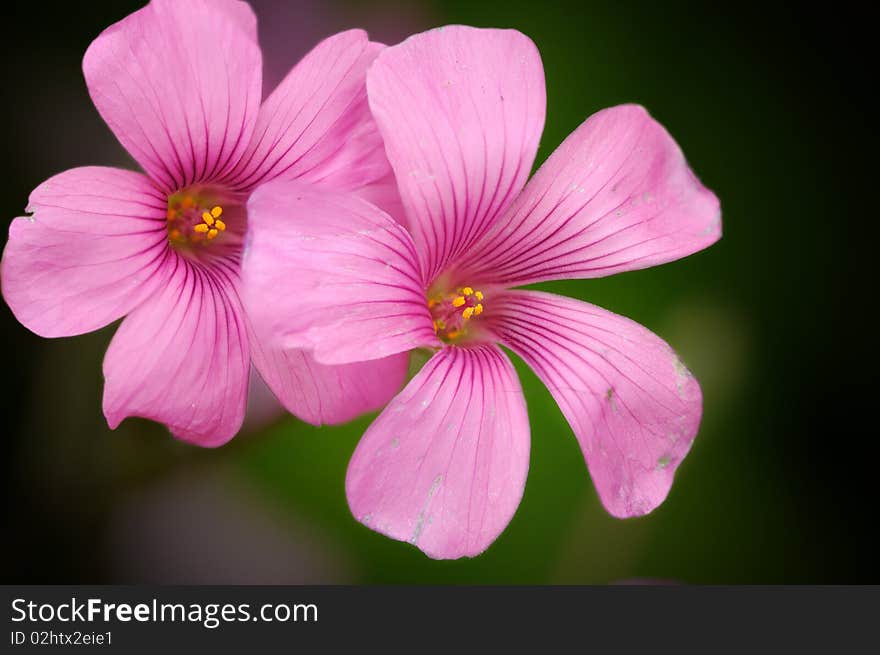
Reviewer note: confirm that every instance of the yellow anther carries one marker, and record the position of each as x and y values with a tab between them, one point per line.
201	227
452	312
220	225
206	216
212	234
217	211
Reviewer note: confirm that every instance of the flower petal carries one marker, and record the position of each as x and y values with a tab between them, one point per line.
240	12
321	394
617	195
316	126
179	83
182	359
444	465
632	404
461	111
91	251
333	273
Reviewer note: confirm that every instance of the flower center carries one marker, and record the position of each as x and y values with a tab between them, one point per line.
452	313
202	216
194	215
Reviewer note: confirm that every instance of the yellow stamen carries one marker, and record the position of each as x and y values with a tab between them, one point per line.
212	234
207	218
452	313
217	211
201	227
220	225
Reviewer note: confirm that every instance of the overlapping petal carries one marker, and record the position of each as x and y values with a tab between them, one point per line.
461	111
320	394
316	126
632	404
182	358
384	194
333	273
92	250
179	83
444	466
617	195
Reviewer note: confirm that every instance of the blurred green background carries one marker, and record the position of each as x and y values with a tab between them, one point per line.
770	108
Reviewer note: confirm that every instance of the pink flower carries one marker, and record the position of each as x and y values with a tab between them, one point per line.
461	111
179	83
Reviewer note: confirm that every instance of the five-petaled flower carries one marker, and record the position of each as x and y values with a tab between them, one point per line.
179	83
461	111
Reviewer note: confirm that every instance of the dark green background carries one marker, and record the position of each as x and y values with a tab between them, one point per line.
770	107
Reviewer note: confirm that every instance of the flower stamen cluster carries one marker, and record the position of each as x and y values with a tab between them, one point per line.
189	223
451	312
